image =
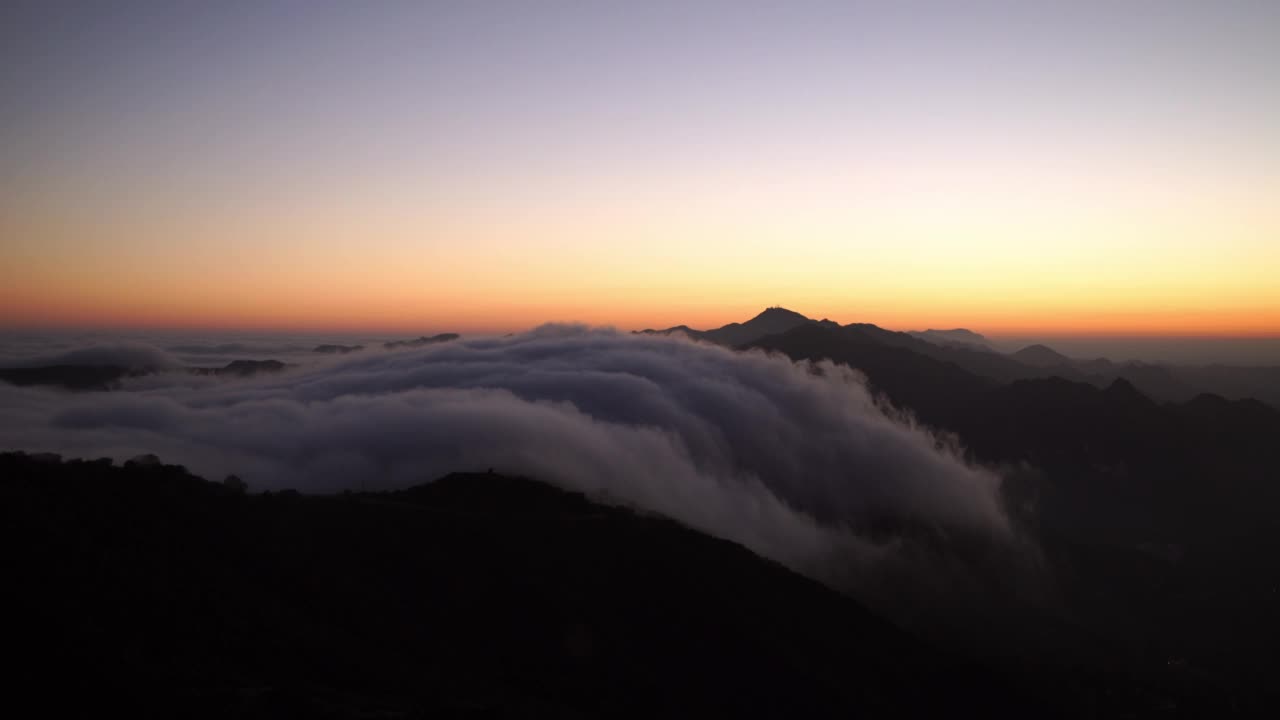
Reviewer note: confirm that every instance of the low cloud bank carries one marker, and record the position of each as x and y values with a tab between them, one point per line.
126	355
795	461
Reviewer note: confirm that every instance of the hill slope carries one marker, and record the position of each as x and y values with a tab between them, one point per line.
155	590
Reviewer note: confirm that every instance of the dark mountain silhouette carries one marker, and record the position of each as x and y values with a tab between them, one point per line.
70	377
1158	381
333	349
1260	383
1067	429
109	377
991	365
242	368
957	337
932	387
147	589
971	352
1041	356
772	321
1166	383
1158	518
1161	382
677	329
419	342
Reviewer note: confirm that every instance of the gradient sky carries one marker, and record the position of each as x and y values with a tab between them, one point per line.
1094	168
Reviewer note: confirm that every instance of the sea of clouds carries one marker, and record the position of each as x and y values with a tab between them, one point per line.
797	462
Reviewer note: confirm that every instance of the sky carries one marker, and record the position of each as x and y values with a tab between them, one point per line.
1017	168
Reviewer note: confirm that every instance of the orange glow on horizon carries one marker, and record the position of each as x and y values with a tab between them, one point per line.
1188	262
422	168
89	309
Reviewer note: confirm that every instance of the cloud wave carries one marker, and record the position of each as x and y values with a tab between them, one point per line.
795	461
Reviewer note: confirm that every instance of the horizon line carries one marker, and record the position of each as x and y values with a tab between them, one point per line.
374	329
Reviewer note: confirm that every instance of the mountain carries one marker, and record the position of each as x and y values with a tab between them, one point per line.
1261	383
779	321
928	378
69	377
671	330
242	368
932	387
1146	457
145	589
1041	356
1158	381
109	377
149	590
1157	518
978	361
772	321
419	342
1166	383
958	337
334	349
961	348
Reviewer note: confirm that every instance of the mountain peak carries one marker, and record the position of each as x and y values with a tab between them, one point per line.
778	312
1125	390
1041	356
772	321
1038	349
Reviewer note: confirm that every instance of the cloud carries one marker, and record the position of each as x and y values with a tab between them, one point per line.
235	348
795	461
128	355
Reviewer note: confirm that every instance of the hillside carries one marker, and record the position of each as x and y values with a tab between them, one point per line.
473	594
149	590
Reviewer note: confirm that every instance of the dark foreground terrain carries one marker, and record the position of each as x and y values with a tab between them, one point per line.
147	589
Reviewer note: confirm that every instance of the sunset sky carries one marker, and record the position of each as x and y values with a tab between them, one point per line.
1090	168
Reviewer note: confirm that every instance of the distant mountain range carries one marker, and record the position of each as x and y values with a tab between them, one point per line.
958	336
1144	435
1131	423
973	353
